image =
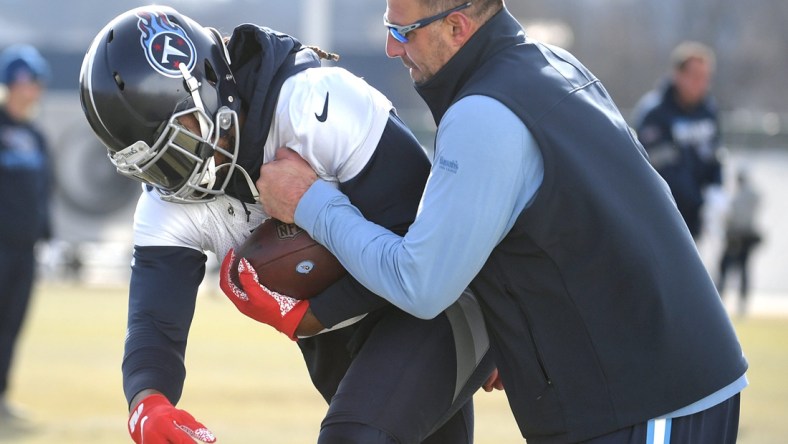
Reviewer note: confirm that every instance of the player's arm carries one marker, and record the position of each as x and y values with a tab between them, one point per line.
135	401
162	295
310	325
344	300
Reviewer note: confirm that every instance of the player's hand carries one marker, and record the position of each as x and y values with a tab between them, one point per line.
258	302
155	421
283	182
493	382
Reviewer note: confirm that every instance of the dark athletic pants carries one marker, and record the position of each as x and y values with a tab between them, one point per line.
411	381
716	425
17	267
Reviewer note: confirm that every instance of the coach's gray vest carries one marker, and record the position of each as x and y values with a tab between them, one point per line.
601	311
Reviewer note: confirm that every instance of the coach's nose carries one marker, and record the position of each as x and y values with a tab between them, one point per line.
394	48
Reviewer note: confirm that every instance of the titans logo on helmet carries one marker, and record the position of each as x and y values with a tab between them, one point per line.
166	44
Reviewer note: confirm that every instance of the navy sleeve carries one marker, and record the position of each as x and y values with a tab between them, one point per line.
162	296
344	300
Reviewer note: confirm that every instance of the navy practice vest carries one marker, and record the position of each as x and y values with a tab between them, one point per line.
600	309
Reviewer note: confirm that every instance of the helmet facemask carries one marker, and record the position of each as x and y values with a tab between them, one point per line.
180	153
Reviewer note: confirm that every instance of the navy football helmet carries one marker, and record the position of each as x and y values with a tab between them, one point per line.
147	68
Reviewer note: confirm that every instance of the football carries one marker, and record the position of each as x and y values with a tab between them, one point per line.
288	261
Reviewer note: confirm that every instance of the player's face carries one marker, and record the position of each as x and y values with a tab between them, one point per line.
692	82
427	48
190	122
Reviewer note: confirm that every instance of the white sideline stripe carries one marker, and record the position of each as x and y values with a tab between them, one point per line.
659	431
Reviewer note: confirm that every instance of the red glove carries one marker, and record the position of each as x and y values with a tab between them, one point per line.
258	302
155	420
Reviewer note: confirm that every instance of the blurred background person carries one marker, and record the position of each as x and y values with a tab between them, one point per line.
25	182
741	236
678	125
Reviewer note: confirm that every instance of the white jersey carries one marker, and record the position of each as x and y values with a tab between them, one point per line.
331	117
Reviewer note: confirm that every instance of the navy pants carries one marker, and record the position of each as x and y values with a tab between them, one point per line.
736	256
411	381
716	425
17	267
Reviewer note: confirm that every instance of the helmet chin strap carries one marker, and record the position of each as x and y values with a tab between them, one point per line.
209	178
194	86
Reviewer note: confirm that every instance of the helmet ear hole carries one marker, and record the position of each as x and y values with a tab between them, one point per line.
175	19
210	74
119	81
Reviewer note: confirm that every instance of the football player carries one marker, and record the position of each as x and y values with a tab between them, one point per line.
193	116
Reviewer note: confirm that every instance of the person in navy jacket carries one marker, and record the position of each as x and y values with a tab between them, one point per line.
25	193
679	127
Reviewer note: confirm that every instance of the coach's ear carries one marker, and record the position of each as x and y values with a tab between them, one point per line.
461	28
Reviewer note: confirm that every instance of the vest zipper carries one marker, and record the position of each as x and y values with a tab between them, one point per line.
539	358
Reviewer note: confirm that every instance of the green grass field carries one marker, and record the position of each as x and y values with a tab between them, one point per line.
248	383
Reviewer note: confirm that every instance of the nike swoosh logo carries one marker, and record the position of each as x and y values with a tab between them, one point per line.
322	117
